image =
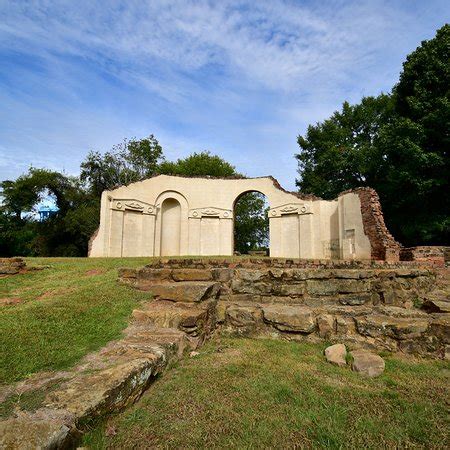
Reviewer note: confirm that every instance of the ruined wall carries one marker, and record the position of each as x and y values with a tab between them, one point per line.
169	215
375	306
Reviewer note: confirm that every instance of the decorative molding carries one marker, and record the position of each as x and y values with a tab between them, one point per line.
290	208
119	204
210	211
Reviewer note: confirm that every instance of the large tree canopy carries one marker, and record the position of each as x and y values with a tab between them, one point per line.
397	144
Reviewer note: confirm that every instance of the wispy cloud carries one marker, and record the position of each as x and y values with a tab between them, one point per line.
240	78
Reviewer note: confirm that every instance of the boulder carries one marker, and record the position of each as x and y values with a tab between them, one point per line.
290	318
367	363
336	354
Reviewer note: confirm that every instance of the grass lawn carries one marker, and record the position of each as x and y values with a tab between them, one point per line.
67	310
242	393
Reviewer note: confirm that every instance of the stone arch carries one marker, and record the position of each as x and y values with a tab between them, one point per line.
171	234
242	194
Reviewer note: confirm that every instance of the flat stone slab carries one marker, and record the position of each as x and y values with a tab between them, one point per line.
377	325
336	354
367	363
189	317
183	291
290	318
103	382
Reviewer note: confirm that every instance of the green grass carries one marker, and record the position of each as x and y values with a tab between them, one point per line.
275	394
64	314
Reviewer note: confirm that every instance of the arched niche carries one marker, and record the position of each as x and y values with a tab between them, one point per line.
171	236
170	227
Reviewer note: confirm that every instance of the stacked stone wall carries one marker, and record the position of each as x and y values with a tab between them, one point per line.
427	254
370	306
382	243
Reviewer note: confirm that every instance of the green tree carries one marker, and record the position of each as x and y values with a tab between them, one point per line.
130	161
199	164
342	152
66	233
251	228
397	144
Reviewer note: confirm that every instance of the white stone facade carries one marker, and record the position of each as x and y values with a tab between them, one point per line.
171	215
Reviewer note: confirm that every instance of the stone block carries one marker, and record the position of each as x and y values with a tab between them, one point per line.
250	275
336	354
150	274
289	289
184	291
326	325
245	318
290	318
395	327
355	299
367	363
223	275
240	286
192	274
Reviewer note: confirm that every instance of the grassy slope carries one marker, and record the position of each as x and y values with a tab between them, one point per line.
65	313
274	394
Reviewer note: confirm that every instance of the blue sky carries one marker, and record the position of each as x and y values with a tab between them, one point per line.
239	78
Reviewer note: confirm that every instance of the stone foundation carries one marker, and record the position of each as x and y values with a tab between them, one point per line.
426	254
360	304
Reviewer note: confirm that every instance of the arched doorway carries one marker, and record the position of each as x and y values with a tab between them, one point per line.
170	227
251	223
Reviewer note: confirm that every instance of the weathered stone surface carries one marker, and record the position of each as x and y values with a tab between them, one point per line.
183	291
326	325
289	289
355	299
250	275
438	306
192	274
11	266
245	318
290	318
29	433
336	354
102	383
367	363
191	318
153	275
395	327
127	275
241	286
336	286
223	275
440	328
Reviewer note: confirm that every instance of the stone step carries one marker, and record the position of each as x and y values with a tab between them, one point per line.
191	318
104	382
183	291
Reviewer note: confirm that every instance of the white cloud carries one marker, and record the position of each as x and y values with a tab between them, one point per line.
241	78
